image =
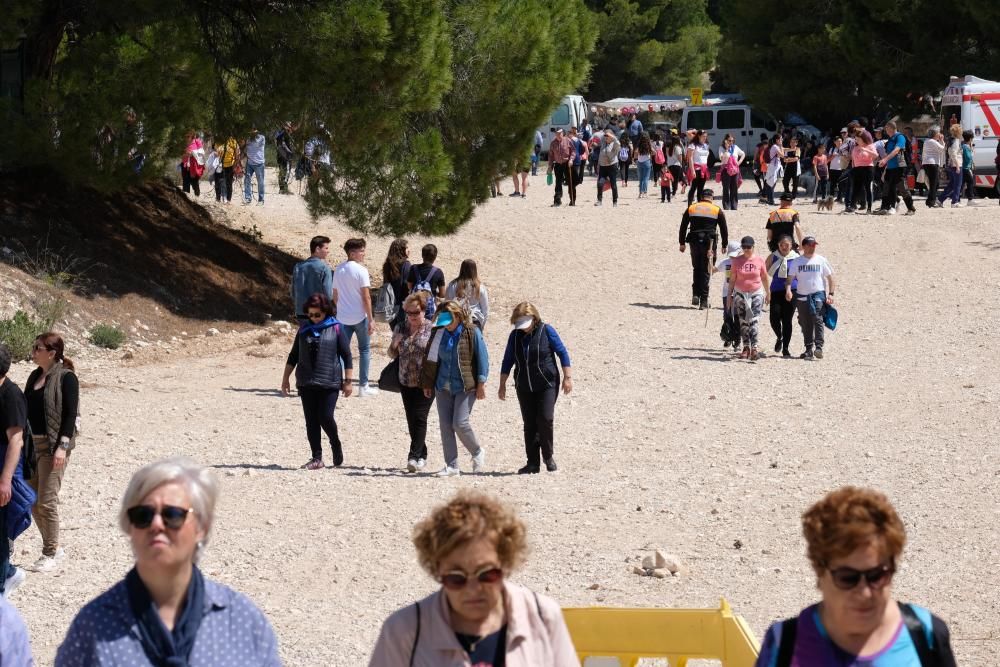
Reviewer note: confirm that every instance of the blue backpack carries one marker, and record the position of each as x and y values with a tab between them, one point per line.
423	284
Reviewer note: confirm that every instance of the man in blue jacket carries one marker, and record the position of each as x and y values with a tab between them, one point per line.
13	419
311	276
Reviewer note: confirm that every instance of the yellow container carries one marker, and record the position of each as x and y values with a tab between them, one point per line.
678	635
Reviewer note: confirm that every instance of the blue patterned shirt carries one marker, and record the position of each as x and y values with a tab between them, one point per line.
15	649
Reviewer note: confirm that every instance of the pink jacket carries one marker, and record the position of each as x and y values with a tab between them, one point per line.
533	639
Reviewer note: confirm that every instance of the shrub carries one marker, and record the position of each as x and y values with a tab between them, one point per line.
50	311
107	336
19	333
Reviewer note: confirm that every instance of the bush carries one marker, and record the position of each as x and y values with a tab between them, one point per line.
50	311
107	336
19	332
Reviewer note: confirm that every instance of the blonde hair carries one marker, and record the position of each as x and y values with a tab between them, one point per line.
419	298
956	130
200	483
457	310
526	309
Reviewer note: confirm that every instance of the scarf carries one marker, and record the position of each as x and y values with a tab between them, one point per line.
779	267
316	330
162	647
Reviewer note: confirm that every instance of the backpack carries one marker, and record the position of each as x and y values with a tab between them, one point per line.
658	157
623	155
474	310
423	284
385	308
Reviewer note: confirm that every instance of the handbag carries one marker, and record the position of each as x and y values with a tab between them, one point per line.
388	379
830	317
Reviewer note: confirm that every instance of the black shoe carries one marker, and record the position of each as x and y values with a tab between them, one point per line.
338	454
808	355
786	354
703	304
550	465
777	346
695	301
528	470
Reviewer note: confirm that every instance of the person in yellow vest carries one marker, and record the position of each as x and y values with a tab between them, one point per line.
700	226
783	222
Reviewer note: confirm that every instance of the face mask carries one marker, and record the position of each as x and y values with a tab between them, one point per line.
524	323
443	319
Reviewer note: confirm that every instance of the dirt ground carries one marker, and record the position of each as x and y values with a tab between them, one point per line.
666	441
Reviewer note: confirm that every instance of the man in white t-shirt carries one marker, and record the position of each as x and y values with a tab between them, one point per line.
351	293
813	276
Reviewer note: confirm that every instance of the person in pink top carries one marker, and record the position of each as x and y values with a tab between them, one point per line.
478	617
747	279
863	157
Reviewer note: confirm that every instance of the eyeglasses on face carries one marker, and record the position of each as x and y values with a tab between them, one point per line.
847	578
39	347
141	516
414	313
458	580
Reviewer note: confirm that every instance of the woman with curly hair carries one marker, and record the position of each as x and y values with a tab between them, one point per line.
478	617
854	542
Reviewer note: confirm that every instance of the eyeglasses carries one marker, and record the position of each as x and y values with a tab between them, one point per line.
38	347
459	580
414	313
314	316
141	516
846	578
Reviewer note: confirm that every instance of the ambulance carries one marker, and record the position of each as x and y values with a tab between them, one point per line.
975	104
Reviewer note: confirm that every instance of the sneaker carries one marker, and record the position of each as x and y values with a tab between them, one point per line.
367	391
910	211
14	581
411	465
777	345
745	354
514	194
615	205
808	355
551	466
479	460
703	304
421	463
528	470
880	211
695	301
754	354
597	203
260	203
338	454
891	211
958	204
448	471
786	354
311	464
524	196
818	353
48	563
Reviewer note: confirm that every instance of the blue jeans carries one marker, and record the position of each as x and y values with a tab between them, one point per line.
258	171
954	189
364	348
6	569
644	169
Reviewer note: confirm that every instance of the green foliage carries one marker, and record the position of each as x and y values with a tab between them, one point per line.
651	46
832	60
107	336
420	101
50	311
18	333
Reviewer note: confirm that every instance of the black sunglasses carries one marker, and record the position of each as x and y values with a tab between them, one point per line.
141	516
459	580
414	312
847	578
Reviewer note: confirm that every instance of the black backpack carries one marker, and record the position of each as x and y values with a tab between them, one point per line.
939	655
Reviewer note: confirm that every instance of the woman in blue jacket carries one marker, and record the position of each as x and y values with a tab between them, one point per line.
532	348
319	351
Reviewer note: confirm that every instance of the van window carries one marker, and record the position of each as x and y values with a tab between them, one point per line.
757	119
700	120
560	116
730	119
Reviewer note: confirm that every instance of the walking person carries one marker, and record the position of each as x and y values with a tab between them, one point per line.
968	164
953	167
840	161
675	162
730	332
932	159
706	221
409	341
782	312
478	616
284	145
532	348
253	148
580	156
775	169
353	298
863	156
644	163
784	221
748	296
16	498
52	392
395	268
894	163
812	276
666	183
193	163
659	159
731	156
792	167
164	611
321	359
561	156
312	275
230	158
625	158
470	293
456	366
821	172
759	167
607	168
697	159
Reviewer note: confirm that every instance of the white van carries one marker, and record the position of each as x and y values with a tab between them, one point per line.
742	121
975	104
571	112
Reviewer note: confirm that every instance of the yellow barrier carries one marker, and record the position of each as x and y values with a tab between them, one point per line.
678	635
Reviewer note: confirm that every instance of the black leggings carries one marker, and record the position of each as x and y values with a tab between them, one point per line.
678	174
416	406
697	185
623	170
791	177
190	182
781	314
835	183
318	404
861	186
538	409
230	172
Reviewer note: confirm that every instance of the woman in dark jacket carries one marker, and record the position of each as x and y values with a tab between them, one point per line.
395	269
53	396
531	351
319	350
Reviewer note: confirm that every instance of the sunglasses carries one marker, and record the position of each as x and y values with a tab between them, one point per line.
38	347
314	316
141	516
847	578
459	580
414	313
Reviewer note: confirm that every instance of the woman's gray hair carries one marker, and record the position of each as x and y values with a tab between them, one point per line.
933	132
200	483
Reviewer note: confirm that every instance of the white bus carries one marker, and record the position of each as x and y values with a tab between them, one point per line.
570	112
975	104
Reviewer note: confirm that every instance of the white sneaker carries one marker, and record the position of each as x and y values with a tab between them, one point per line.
957	204
479	460
892	211
367	391
411	465
48	563
14	581
421	463
448	471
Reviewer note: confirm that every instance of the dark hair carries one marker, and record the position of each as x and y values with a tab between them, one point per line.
429	252
468	279
316	242
318	300
645	148
392	266
967	135
54	343
5	359
354	244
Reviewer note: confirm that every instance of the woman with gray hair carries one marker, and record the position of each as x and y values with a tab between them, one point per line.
933	159
165	613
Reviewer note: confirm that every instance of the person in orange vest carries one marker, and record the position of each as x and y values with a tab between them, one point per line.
700	226
784	221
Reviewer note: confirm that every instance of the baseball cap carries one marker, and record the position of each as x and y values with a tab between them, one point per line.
787	196
809	240
707	193
746	242
733	249
559	130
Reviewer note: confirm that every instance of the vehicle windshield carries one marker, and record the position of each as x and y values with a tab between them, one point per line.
560	116
951	115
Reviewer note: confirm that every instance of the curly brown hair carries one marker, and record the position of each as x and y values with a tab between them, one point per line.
848	518
467	517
